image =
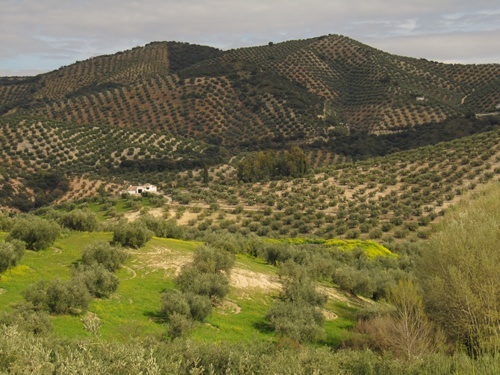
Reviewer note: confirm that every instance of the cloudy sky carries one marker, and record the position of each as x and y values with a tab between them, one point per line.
42	35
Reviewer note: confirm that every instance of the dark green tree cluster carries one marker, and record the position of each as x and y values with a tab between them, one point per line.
267	165
201	284
47	187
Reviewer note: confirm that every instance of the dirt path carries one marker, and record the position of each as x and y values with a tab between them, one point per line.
134	274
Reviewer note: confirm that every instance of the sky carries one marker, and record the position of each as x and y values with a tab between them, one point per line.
42	35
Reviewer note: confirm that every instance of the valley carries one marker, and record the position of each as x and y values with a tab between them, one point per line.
320	203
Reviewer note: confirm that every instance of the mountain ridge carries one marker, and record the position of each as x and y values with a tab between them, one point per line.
294	91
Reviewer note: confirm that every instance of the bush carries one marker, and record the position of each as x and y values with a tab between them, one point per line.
81	220
36	232
10	254
459	274
297	316
101	252
174	302
58	297
298	321
213	285
179	325
200	306
131	234
99	281
162	228
27	320
193	306
208	259
5	222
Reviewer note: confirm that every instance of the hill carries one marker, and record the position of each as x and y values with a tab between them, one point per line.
296	91
42	159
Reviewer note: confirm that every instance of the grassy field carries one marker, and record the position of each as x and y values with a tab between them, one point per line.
132	311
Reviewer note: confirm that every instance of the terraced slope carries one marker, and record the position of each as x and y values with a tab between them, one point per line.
304	90
32	147
99	73
395	196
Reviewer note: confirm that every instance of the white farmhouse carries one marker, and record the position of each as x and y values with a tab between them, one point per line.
139	189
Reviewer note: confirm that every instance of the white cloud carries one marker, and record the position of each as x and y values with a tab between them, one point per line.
49	33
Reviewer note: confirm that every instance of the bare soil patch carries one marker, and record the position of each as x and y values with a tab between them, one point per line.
333	294
134	215
229	307
329	315
186	217
245	279
161	258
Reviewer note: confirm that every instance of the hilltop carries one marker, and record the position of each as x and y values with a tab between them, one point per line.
303	91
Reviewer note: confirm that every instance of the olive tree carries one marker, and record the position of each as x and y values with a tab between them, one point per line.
131	234
10	254
36	232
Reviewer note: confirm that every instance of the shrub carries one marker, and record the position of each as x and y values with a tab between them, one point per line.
99	281
298	321
101	252
193	306
215	286
174	302
131	234
5	222
208	259
162	228
58	297
459	274
179	325
200	306
81	220
28	320
36	232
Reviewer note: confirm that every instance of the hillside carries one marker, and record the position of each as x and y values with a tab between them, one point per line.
320	206
301	91
34	154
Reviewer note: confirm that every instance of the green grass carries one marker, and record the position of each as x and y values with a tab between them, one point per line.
241	318
132	311
45	265
338	330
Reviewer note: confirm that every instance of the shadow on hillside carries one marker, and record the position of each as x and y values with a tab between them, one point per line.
263	326
155	317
